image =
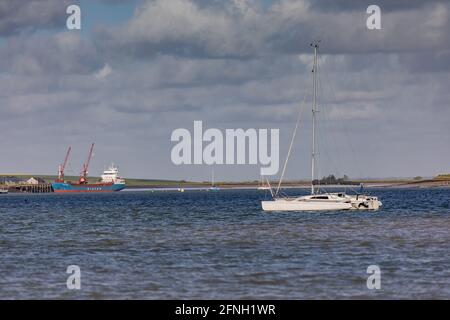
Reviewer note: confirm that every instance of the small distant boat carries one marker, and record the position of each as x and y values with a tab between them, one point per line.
317	201
213	186
4	191
110	180
262	185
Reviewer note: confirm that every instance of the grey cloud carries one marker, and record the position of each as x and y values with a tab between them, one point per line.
63	52
432	61
231	66
388	5
18	16
243	30
138	115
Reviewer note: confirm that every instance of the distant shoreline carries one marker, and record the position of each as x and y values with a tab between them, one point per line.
429	183
439	181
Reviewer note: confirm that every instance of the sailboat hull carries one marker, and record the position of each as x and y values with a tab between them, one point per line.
299	205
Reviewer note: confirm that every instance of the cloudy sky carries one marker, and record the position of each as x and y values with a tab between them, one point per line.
139	69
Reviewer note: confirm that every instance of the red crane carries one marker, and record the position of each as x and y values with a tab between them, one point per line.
62	167
84	173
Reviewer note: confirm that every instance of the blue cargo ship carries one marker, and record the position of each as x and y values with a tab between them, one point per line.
110	180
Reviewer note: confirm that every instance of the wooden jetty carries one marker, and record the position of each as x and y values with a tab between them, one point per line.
30	188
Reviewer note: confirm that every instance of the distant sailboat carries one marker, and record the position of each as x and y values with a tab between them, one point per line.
213	186
263	185
318	201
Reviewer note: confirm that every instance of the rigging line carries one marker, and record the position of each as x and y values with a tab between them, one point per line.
327	120
326	150
336	143
300	112
344	129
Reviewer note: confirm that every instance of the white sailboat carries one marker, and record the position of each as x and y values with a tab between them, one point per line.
213	186
318	201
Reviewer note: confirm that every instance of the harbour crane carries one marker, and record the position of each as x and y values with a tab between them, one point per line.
62	167
84	172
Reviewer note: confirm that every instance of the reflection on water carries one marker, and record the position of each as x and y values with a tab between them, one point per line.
197	244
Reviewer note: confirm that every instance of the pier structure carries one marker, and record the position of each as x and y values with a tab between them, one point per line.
30	188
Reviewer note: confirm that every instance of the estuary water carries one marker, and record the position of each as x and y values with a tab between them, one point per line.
221	245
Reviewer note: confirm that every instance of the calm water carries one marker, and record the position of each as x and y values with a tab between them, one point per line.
200	244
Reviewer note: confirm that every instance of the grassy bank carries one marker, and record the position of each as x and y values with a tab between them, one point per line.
154	183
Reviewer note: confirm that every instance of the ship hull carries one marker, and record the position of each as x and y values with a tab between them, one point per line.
64	187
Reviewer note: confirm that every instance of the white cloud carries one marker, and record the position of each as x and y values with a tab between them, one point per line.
103	72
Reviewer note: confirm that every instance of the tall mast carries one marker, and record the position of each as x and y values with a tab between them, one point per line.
315	45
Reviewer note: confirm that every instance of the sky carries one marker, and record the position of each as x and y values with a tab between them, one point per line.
137	70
